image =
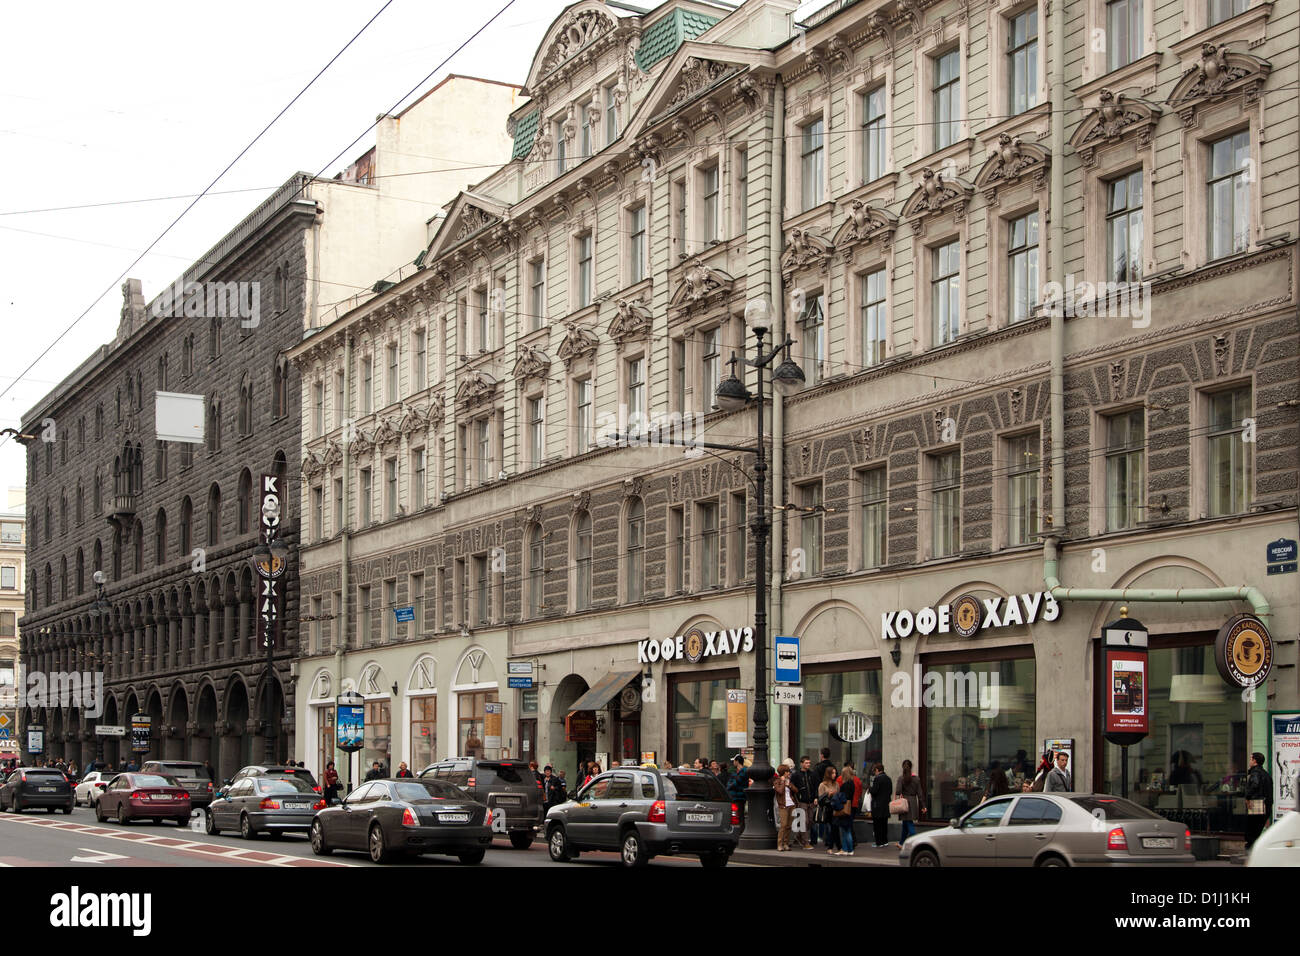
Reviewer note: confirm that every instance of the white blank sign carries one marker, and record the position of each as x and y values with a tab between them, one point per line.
178	417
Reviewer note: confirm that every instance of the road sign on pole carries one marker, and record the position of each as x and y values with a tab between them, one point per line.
787	669
789	696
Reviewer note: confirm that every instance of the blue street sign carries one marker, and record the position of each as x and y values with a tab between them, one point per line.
787	661
1283	549
523	683
405	614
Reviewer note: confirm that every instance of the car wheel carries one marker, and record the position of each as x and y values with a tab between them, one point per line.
210	824
378	845
924	858
558	846
318	844
246	827
122	818
67	810
633	850
521	839
51	809
99	813
275	834
713	861
473	857
18	806
1051	861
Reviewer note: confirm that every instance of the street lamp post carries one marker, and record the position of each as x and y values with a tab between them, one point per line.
98	611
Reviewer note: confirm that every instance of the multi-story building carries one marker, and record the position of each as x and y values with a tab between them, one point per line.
172	524
922	189
13	520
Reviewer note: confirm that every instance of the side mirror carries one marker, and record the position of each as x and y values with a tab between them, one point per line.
227	781
955	823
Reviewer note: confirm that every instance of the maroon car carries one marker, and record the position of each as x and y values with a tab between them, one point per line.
130	796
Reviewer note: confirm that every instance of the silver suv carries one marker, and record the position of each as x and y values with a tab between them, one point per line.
642	813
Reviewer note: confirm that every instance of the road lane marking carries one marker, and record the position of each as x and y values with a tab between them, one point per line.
96	856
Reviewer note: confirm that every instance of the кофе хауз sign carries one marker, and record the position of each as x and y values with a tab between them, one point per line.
695	645
969	614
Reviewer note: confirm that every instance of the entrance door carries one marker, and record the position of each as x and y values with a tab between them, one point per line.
627	740
528	740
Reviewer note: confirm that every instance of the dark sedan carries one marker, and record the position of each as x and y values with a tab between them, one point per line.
406	816
256	805
130	796
37	787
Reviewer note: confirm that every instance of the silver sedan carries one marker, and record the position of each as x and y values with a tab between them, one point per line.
1053	829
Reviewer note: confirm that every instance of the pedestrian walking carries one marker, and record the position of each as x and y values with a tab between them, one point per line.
403	771
784	789
1259	798
998	783
1059	779
212	773
881	787
374	773
553	788
737	786
1040	775
909	789
331	783
826	791
845	804
805	785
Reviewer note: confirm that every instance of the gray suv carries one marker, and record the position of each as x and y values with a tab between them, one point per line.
509	787
643	813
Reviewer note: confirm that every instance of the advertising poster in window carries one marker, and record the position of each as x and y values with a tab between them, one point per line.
1284	761
737	719
1126	692
492	726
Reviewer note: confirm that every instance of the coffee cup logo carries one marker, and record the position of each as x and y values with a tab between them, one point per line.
694	645
1244	651
967	615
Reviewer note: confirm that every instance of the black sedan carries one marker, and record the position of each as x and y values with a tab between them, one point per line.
37	787
406	816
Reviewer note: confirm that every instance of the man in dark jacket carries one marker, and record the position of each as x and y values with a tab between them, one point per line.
553	788
805	786
880	789
737	786
819	771
374	773
1259	786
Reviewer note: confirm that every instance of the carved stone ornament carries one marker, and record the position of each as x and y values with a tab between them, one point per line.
387	432
805	250
579	341
864	225
476	388
531	363
632	487
578	30
1219	73
333	453
936	194
697	75
747	90
1008	162
699	284
472	219
631	322
437	411
650	147
1117	374
364	442
312	465
1117	115
1017	402
581	501
414	419
1221	354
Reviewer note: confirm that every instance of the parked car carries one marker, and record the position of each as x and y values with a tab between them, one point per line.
1279	845
505	786
270	804
405	816
191	774
92	784
30	787
643	813
1053	829
130	796
276	770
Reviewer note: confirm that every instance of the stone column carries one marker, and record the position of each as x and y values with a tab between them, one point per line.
229	636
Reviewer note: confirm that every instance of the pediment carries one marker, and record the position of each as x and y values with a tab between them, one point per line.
1010	161
631	321
1219	73
415	418
471	214
1117	115
364	441
386	431
937	194
475	388
700	285
805	250
863	225
531	363
698	72
573	32
579	341
333	453
312	464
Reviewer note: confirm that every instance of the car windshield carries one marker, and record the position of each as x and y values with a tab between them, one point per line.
153	780
285	785
45	773
179	770
505	772
1115	808
426	791
693	786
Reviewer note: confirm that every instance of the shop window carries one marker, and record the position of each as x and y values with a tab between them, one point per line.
424	732
378	740
471	710
825	696
699	720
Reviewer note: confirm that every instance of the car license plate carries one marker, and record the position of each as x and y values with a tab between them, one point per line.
699	818
510	800
296	806
46	789
454	817
1157	843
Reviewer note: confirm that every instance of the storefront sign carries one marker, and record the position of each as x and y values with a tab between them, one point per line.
787	661
520	683
695	645
580	727
270	567
520	668
140	729
350	727
852	728
1243	651
492	725
737	719
969	614
1125	654
1284	757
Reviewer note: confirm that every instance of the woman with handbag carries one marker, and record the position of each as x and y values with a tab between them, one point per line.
909	803
849	786
826	791
881	787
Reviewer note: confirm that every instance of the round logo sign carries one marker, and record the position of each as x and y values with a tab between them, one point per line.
967	615
1243	651
630	699
693	645
852	727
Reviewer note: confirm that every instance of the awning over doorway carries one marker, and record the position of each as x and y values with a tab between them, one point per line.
604	690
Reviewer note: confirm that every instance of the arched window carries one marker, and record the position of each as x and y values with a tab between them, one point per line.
117	554
139	546
634	582
98	556
118	399
31	590
97	492
187	522
49	521
81	503
81	571
63	512
280	468
280	389
160	460
245	416
187	355
63	578
160	537
162	372
214	514
279	289
582	561
244	503
214	338
130	391
536	571
214	424
49	585
99	422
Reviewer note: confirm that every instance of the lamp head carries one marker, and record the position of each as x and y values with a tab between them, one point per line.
731	394
758	314
99	577
788	378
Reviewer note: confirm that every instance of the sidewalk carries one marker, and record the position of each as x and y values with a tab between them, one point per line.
862	856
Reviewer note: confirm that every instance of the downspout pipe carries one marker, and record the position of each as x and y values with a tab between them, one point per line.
1056	267
340	632
775	239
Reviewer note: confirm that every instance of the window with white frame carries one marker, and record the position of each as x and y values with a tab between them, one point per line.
536	293
583	417
634	582
678	352
338	505
585	138
367	385
737	550
392	375
1228	195
710	202
482	320
483	449
677	550
482	589
419	360
945	95
680	214
710	366
363	616
1220	10
1124	228
706	513
1022	265
812	163
874	316
417	605
636	244
317	512
389	616
611	113
1124	30
560	144
318	409
419	478
582	597
536	432
742	190
584	275
1022	60
536	571
945	292
1125	469
873	134
390	489
811	526
1230	475
636	407
945	504
340	400
872	516
364	496
1022	488
812	329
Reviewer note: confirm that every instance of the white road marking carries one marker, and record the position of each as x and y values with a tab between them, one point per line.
96	856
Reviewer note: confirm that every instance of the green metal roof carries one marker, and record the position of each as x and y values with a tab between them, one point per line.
525	131
663	37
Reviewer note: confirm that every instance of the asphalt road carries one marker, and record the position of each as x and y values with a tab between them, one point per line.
37	838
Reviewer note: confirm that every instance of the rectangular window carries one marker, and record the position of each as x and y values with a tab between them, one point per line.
482	590
1228	195
9	578
424	731
1124	31
636	551
536	433
1022	488
558	137
737	553
1022	60
420	371
872	513
710	367
945	506
582	563
388	610
636	395
812	164
873	134
611	113
11	533
707	512
338	505
364	494
536	294
680	215
419	459
1221	10
471	715
340	401
583	420
677	557
363	616
636	250
742	190
390	482
460	592
679	376
318	409
945	94
1125	469
367	385
874	317
810	526
1230	481
710	207
1022	265
945	291
483	446
317	512
536	572
316	625
392	375
482	320
1124	228
584	276
584	133
812	326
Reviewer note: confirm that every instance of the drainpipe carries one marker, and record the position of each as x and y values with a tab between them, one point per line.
776	601
340	633
1056	267
1249	593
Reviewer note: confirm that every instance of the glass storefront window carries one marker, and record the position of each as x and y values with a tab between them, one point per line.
424	732
699	725
378	736
325	750
471	709
975	713
826	695
1191	767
